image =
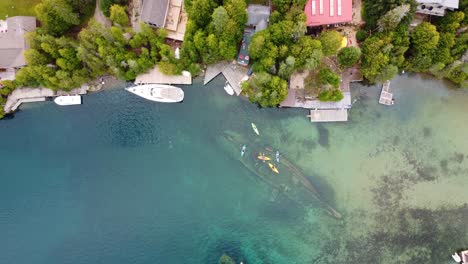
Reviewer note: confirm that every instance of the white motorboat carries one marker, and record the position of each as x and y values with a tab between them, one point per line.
68	100
158	92
228	88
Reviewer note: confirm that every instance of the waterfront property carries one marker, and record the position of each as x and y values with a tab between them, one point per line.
301	96
258	17
328	12
167	14
13	44
436	7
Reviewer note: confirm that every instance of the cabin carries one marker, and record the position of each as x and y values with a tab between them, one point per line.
258	17
167	14
13	44
436	7
328	12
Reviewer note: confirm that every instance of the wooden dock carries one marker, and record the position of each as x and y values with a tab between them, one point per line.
386	97
233	73
328	115
156	76
29	95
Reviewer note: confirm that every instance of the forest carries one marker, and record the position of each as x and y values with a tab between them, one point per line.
394	46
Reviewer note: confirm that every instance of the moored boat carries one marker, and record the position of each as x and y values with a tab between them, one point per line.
228	88
158	92
68	100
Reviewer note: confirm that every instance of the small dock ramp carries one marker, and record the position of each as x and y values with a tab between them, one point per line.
386	97
328	115
233	73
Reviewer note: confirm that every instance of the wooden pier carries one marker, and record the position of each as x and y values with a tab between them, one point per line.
386	97
29	95
156	76
328	115
233	73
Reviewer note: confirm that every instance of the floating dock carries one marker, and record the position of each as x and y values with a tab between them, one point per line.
328	115
386	97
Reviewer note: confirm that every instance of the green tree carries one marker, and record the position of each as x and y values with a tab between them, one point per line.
393	17
56	16
388	72
349	56
265	89
118	15
106	4
361	35
328	77
333	95
220	19
451	22
424	37
331	42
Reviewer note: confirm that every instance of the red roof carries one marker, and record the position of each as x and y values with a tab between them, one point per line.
325	12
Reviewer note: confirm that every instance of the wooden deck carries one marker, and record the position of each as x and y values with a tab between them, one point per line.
28	95
329	115
233	73
386	97
156	76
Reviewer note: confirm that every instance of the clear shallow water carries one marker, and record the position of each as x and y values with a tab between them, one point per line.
123	180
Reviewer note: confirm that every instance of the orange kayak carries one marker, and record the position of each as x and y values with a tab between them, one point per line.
273	168
263	157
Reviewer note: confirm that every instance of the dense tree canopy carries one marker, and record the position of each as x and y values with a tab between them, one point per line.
265	89
331	42
348	56
56	16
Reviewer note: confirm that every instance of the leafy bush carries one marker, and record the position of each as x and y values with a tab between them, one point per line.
333	95
327	76
361	35
348	56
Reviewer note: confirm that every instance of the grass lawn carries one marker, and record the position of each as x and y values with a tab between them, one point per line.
17	8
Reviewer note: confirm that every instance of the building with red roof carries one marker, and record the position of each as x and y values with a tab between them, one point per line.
328	12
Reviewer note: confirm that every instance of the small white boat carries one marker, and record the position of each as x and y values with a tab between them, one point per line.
68	100
158	92
228	88
456	257
255	129
277	156
177	53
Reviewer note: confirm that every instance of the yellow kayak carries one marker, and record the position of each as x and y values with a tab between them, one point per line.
273	168
263	157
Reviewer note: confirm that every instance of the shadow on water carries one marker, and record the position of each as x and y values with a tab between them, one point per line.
324	137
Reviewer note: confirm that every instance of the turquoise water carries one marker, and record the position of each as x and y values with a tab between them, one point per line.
124	180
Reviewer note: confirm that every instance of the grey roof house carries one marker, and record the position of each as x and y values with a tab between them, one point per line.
436	7
13	42
256	14
154	12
